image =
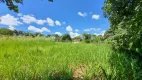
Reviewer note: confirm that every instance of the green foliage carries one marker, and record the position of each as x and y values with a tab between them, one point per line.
77	38
86	37
66	38
18	33
48	36
4	31
125	18
57	37
38	34
97	39
11	4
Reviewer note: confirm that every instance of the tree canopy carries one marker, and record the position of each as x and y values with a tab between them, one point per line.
12	4
4	31
126	23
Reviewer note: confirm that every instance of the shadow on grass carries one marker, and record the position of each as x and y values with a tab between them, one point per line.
125	66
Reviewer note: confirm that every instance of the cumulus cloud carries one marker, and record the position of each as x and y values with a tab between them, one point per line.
58	33
100	33
35	29
57	23
72	34
92	29
82	14
76	30
11	28
69	29
41	22
28	19
10	21
31	19
44	29
95	16
20	14
50	22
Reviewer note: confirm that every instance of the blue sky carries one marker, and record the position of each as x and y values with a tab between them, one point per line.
60	17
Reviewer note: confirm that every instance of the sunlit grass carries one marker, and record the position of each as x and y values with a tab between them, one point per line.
42	58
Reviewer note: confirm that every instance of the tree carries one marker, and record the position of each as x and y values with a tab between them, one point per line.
48	36
93	36
98	39
11	4
57	37
66	38
5	31
87	37
38	34
15	32
77	38
29	34
126	20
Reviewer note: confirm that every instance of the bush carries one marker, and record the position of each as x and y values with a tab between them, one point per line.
66	38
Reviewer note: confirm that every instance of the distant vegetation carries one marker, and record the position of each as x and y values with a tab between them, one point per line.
85	37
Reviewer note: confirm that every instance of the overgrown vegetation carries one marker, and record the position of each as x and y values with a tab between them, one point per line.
126	28
41	58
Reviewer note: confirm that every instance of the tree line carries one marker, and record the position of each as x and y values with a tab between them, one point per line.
85	37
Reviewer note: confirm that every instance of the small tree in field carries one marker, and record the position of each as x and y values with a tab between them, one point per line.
66	38
49	36
86	37
57	37
77	38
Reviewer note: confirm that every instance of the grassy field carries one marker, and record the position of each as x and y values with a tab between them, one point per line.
44	59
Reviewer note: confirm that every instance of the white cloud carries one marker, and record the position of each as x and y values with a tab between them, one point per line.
44	29
82	14
41	22
92	29
76	30
58	33
11	28
69	28
50	21
72	34
100	33
20	14
28	19
10	21
31	19
95	16
57	23
35	29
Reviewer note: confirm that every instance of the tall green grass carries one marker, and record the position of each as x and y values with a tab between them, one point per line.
44	59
